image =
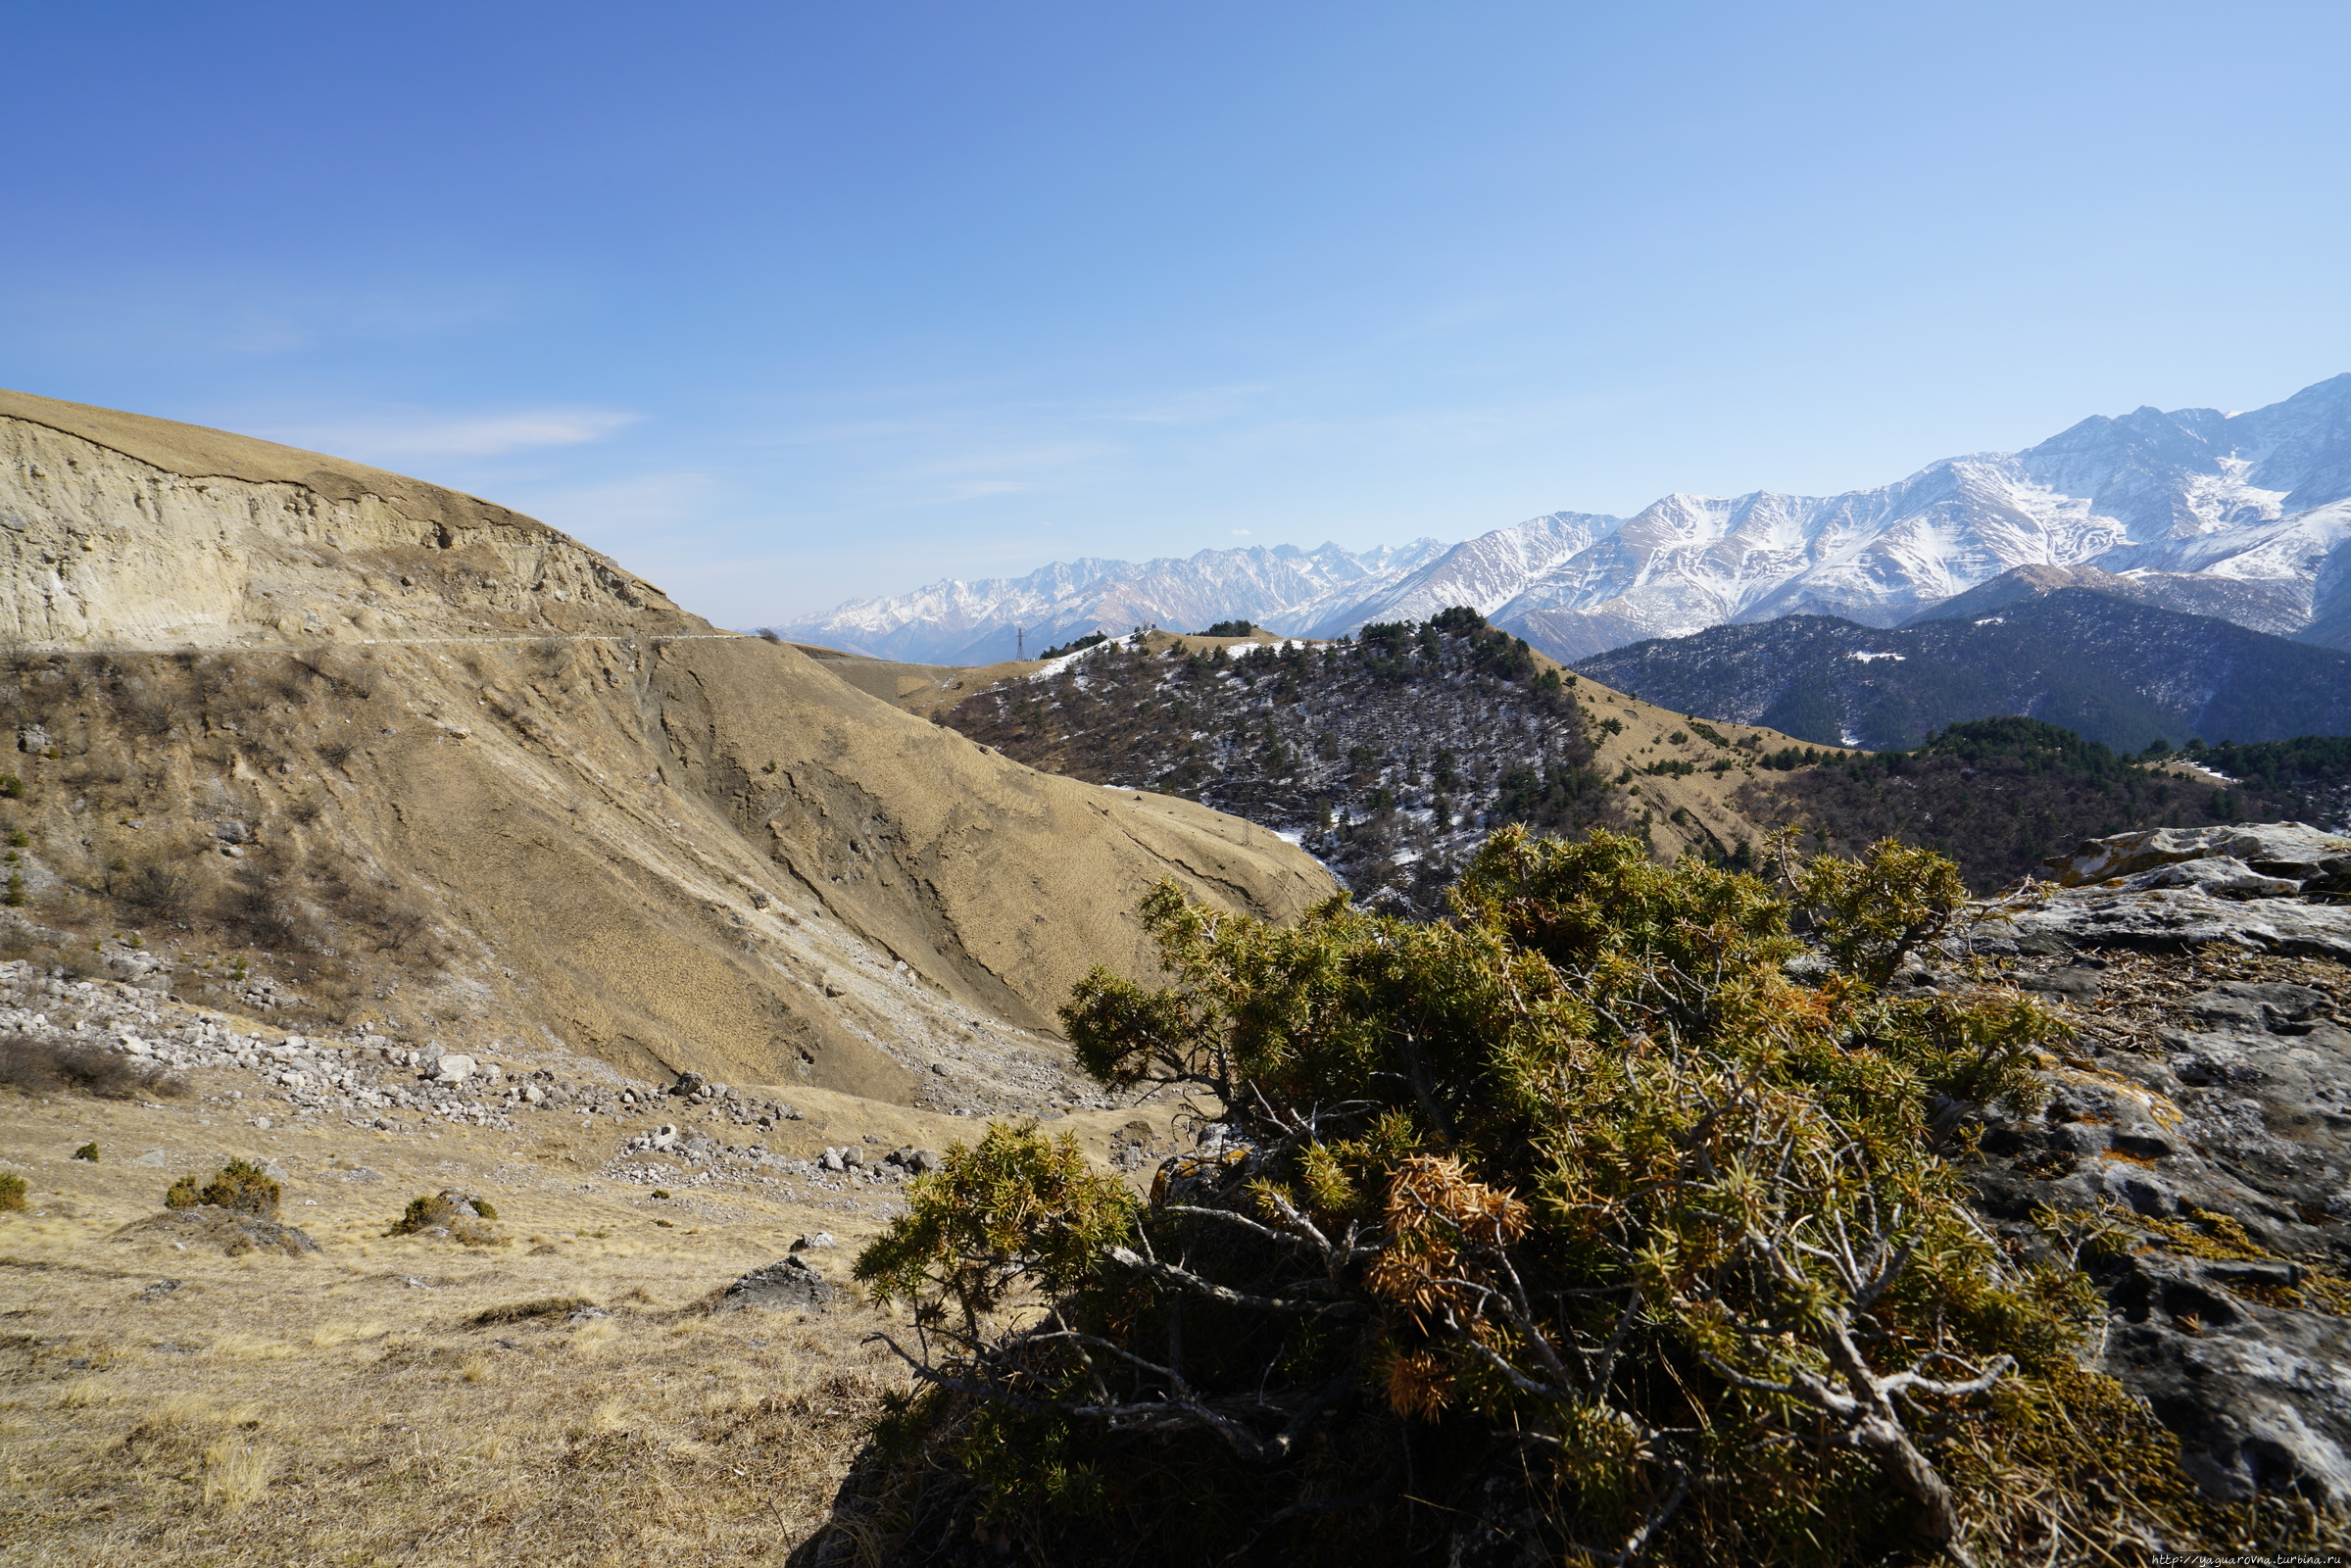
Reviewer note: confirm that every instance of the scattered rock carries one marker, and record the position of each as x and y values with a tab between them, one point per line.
791	1285
159	1290
822	1238
659	1140
453	1068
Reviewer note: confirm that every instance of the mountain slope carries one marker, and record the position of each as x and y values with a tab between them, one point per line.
2001	795
1390	756
2121	673
2243	515
425	759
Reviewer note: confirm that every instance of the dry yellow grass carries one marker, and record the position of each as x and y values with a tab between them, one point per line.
390	1400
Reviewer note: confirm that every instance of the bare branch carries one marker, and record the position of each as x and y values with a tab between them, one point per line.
1186	1280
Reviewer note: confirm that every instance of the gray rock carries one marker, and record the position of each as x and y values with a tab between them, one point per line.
2239	1003
2074	982
2258	1394
2222	875
2160	920
817	1242
791	1285
831	1160
2292	850
210	1226
689	1084
926	1161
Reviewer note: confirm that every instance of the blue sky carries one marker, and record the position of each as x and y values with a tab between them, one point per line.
786	303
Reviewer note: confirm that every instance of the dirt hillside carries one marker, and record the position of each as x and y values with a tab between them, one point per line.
431	766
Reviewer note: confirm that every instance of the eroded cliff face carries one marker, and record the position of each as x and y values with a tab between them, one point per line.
129	533
244	677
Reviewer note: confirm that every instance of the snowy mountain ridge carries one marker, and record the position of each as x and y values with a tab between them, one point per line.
2261	499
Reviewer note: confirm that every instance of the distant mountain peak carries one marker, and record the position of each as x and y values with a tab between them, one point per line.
2242	515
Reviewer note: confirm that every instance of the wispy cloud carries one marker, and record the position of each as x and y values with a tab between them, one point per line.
1241	533
420	433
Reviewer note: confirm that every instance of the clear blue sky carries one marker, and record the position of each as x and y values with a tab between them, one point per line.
785	303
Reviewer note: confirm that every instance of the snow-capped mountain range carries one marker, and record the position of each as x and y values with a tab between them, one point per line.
2183	503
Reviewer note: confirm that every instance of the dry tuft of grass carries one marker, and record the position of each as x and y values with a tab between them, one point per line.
236	1474
83	1394
593	1339
250	1348
326	1336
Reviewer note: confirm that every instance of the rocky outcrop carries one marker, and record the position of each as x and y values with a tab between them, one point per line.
2284	856
2260	887
226	1230
792	1285
2198	1170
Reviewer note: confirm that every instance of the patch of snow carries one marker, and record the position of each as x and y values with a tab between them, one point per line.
1993	620
1866	657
